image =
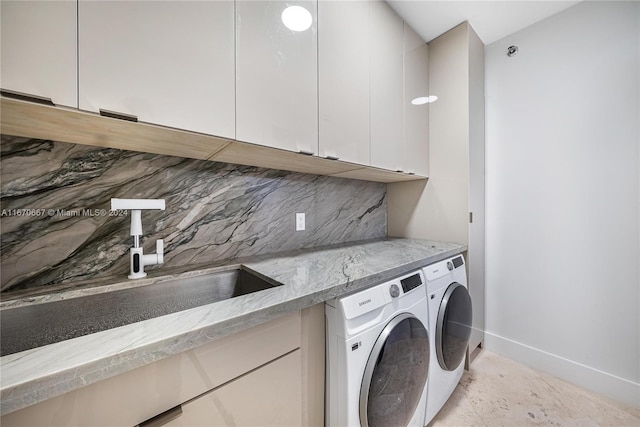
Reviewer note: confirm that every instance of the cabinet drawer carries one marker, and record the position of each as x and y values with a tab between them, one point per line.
213	364
140	394
270	395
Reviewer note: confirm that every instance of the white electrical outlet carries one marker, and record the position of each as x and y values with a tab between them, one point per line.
299	221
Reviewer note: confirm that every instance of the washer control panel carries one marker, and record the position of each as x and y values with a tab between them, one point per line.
380	295
411	282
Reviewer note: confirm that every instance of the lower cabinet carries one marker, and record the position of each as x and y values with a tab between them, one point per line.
269	374
271	394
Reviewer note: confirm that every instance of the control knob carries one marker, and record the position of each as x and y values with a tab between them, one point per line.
394	291
450	265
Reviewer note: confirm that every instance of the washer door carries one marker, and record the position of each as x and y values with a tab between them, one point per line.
453	327
395	374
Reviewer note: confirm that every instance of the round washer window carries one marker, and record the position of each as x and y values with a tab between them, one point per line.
395	374
454	326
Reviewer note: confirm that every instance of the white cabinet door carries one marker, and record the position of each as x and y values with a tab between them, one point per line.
416	117
39	49
387	127
270	395
343	80
276	76
166	62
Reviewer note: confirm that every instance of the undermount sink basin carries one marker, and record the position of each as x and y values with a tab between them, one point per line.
32	326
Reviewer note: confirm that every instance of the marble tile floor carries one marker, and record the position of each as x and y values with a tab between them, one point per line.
501	392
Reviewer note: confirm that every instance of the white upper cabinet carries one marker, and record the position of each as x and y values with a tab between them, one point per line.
166	62
386	71
39	49
332	78
343	80
416	113
276	74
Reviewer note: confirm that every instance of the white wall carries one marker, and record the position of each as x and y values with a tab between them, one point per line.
563	191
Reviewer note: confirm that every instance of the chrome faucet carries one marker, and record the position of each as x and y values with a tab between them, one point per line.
138	259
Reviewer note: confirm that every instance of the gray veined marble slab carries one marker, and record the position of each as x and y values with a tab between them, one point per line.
308	277
56	197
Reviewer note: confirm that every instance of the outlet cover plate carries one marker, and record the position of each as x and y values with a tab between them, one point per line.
300	225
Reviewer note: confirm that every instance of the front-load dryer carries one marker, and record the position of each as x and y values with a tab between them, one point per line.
450	318
378	355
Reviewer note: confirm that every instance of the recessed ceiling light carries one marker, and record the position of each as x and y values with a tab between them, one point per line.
421	100
297	18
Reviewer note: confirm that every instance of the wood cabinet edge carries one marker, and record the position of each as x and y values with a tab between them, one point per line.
31	120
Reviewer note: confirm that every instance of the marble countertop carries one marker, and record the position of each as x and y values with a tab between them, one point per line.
308	277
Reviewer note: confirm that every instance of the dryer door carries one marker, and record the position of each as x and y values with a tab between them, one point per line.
396	373
453	327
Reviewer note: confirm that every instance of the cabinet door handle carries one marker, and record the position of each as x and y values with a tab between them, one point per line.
332	157
306	153
116	115
26	97
163	418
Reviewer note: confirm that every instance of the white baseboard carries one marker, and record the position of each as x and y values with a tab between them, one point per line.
611	386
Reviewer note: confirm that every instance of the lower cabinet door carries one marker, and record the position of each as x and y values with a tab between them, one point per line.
269	395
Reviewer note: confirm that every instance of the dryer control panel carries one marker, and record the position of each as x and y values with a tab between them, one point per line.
443	268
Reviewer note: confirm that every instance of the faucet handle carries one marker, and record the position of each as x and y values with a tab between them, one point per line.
137	204
160	250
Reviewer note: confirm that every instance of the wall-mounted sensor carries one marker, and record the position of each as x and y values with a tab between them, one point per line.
512	50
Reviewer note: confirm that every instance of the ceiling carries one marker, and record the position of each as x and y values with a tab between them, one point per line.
492	20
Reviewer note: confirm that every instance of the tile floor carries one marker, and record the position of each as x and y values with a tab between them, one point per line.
500	392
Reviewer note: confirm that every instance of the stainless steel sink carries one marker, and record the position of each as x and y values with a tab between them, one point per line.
27	327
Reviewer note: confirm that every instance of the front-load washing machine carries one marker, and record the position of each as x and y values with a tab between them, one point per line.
450	319
378	353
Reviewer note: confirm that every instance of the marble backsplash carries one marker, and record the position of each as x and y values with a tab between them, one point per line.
56	225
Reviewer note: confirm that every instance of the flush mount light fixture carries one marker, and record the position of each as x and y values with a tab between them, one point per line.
421	100
296	18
